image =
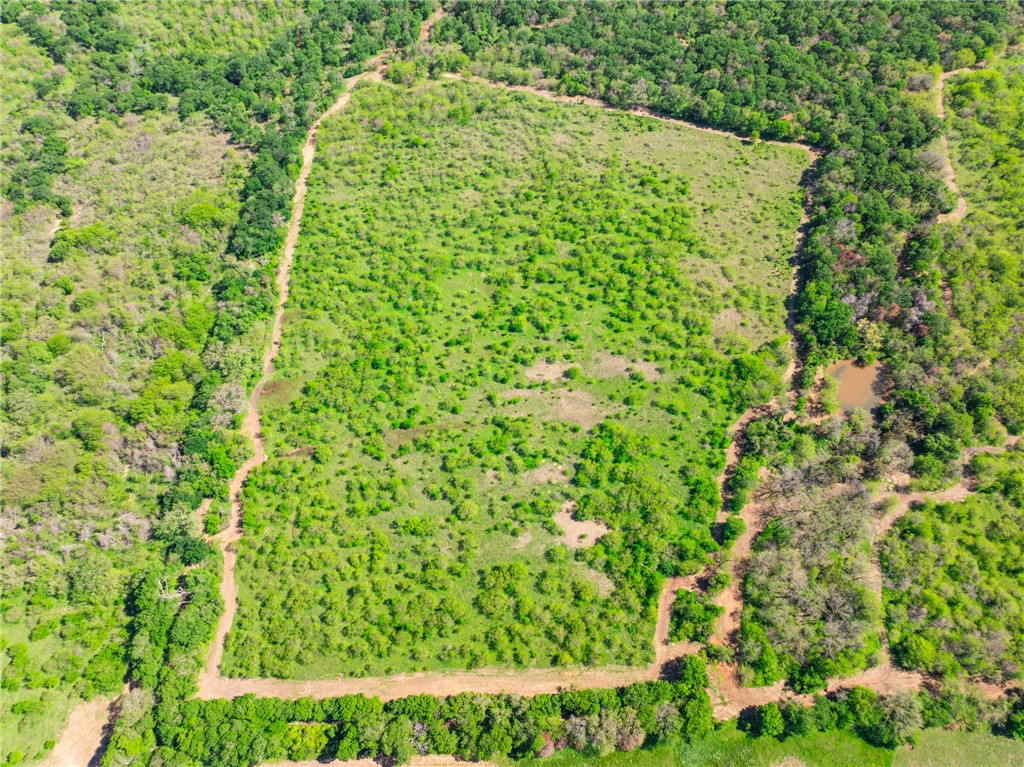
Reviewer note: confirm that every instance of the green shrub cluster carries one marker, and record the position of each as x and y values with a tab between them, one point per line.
418	533
954	579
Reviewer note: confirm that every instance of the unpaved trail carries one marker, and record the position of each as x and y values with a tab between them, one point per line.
82	739
210	675
428	26
730	697
488	680
947	172
958	492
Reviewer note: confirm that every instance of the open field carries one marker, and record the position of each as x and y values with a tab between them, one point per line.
447	386
945	748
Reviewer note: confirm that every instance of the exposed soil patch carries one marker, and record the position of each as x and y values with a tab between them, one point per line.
542	370
612	365
947	172
603	366
547	473
525	539
578	533
569	405
83	736
859	385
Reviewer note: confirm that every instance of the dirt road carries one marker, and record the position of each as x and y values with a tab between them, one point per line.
82	739
210	676
947	172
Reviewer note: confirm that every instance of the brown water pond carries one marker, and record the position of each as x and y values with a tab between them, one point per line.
859	385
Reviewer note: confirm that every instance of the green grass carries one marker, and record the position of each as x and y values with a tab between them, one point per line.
943	748
456	240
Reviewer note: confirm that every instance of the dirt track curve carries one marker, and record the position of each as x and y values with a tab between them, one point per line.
947	172
209	678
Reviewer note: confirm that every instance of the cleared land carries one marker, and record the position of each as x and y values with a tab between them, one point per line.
413	525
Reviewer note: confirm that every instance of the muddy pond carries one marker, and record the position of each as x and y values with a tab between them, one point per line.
859	385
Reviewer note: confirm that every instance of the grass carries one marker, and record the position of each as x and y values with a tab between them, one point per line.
456	240
944	748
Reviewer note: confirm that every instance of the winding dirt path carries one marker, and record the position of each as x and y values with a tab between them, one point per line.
428	26
210	678
947	172
958	492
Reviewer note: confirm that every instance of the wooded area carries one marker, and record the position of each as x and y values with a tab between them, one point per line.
150	152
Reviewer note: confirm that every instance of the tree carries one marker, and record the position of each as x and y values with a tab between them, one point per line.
769	721
902	713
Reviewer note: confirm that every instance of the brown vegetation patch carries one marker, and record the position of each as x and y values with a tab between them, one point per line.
570	405
611	365
279	388
600	581
548	473
578	533
398	437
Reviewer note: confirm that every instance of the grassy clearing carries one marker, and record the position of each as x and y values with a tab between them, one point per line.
944	748
482	279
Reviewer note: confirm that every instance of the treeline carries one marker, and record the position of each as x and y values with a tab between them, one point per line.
796	71
247	730
888	721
